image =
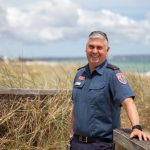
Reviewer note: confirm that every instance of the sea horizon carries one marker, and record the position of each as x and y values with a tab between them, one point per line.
128	63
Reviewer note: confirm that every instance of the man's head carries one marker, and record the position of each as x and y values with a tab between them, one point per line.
97	48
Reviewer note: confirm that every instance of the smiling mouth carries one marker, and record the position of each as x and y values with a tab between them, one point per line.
94	59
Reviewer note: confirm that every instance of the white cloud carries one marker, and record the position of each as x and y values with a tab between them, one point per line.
42	21
3	22
120	25
52	20
114	2
103	18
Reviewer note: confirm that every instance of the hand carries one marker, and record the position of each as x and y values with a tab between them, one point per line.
71	134
140	134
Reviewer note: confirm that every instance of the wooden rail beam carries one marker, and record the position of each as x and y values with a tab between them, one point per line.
15	92
122	137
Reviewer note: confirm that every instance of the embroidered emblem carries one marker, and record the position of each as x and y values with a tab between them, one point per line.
77	83
121	78
81	78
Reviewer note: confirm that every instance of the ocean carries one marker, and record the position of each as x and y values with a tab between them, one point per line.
127	63
133	66
131	63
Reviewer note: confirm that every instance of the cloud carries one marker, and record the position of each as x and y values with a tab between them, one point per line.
45	21
3	22
115	23
103	19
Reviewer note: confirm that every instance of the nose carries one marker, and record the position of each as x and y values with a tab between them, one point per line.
95	50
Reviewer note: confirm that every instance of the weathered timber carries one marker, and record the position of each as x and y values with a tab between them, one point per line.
121	137
15	92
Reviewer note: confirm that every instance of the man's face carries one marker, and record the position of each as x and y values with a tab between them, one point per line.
96	51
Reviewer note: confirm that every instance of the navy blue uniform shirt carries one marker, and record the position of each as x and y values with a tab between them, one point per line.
97	99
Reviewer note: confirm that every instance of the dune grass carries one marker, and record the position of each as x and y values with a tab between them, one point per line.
35	124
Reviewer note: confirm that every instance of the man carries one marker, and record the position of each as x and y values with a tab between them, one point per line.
99	90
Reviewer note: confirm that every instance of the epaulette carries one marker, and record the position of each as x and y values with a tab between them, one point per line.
81	67
112	67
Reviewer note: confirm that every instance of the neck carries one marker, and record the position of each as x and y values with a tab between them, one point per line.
92	67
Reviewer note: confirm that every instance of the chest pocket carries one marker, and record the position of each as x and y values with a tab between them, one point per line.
97	93
97	85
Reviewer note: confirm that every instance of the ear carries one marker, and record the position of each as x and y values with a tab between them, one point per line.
108	49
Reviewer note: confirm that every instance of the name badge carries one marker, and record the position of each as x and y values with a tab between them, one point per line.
77	83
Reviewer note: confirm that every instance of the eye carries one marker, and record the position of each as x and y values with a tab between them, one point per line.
91	46
99	47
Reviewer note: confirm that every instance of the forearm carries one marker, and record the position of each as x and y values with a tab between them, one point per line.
131	111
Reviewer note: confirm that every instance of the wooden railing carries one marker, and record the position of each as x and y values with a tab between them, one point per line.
42	93
120	136
122	141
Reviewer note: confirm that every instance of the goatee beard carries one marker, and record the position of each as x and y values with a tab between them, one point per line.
93	60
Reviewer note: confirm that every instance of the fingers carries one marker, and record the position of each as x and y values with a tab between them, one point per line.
140	135
144	136
148	136
136	133
132	135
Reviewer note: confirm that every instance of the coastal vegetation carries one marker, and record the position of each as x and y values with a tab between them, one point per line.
42	124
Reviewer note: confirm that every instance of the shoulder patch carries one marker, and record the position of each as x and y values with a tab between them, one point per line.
121	78
110	66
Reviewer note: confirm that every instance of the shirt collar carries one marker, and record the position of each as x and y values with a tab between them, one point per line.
99	69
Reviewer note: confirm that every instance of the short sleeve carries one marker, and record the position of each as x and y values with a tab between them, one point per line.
120	87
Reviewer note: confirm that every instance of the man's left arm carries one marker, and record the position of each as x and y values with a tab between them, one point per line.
133	116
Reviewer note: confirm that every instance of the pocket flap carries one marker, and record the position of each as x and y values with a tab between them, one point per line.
97	85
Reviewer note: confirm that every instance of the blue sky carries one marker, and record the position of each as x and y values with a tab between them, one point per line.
38	28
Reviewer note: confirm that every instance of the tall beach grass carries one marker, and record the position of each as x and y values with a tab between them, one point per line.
42	124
